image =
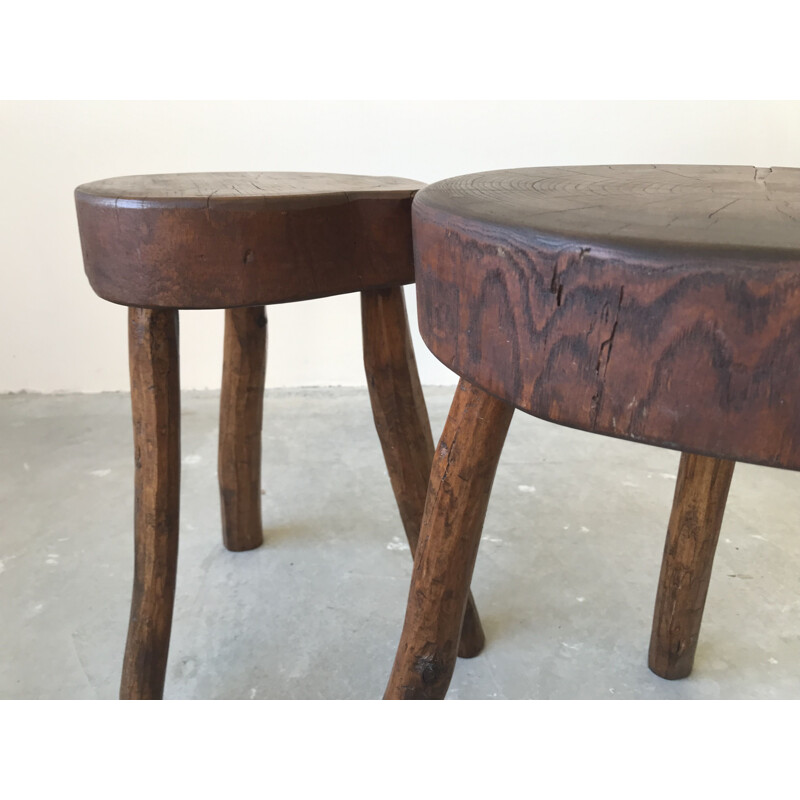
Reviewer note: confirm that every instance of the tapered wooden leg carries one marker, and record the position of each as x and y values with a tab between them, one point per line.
401	420
694	525
155	400
458	495
240	416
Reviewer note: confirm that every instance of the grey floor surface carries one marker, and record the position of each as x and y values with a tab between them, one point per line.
565	580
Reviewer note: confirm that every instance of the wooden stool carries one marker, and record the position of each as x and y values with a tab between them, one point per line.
239	241
657	304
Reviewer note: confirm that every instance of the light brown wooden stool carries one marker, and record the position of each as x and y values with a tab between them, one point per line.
240	241
656	304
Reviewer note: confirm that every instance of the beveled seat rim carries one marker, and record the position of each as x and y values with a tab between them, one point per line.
765	227
246	190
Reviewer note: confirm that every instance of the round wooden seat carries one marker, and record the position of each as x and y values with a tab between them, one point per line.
227	239
660	304
655	303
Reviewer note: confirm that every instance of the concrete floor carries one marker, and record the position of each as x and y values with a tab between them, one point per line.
565	580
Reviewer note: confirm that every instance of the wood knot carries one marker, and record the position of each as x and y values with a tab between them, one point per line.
428	669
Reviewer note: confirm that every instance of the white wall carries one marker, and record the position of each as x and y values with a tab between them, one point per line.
57	336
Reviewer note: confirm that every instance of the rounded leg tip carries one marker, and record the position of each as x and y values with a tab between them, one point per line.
471	646
141	690
243	545
411	692
473	639
670	672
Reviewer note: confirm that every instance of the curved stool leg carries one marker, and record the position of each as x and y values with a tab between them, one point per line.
458	495
240	417
401	419
155	400
694	525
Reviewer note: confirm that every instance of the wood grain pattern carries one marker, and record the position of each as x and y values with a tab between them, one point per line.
658	304
240	420
222	240
155	401
458	495
701	492
645	209
655	303
239	241
401	420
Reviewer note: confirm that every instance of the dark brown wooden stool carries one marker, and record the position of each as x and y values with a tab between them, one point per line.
657	304
240	241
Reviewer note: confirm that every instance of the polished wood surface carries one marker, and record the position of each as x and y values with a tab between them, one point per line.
461	482
241	407
700	495
159	243
647	209
658	304
283	190
155	400
222	240
401	420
